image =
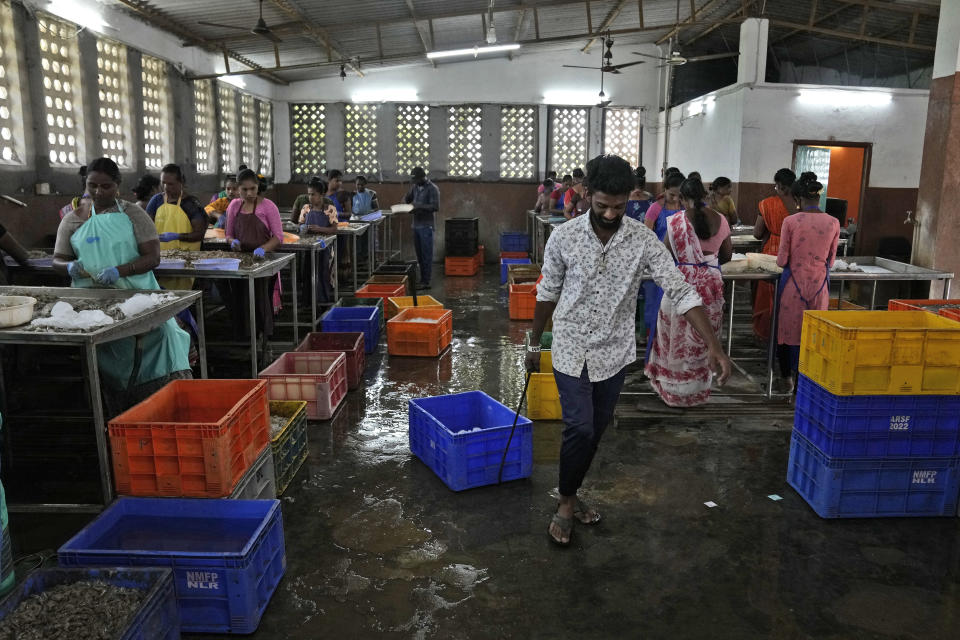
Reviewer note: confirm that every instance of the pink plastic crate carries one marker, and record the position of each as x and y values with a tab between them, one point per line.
318	378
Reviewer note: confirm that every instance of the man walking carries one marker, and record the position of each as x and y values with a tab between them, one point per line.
592	269
425	198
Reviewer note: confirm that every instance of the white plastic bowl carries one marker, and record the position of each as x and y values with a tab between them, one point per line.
16	310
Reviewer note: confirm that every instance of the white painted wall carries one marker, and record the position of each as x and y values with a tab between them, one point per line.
748	133
116	24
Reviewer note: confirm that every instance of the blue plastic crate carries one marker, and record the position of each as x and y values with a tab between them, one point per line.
156	618
355	319
227	556
442	436
514	241
842	488
877	426
503	266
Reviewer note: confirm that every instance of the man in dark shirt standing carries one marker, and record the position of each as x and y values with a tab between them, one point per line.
425	198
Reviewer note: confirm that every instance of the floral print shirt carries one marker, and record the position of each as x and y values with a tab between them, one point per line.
595	288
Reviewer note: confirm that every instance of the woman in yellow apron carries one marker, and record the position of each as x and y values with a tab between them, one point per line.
112	243
180	220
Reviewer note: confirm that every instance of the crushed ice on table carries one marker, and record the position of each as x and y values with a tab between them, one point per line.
140	302
62	316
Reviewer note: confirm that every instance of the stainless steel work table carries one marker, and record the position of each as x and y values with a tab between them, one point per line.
544	225
269	267
312	245
87	342
353	231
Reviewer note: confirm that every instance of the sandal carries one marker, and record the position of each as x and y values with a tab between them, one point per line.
581	512
566	529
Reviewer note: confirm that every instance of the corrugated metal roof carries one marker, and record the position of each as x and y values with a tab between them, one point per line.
352	26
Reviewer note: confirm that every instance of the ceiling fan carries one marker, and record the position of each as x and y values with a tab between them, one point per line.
676	59
607	60
261	29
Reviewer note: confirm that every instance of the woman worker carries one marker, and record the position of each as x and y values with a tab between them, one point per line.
108	242
656	221
218	206
773	211
699	239
147	187
808	247
181	221
253	225
319	216
719	199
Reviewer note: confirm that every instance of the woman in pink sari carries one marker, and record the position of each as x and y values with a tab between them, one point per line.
699	238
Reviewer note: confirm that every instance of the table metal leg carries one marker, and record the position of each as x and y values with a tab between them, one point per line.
99	422
356	263
371	237
733	293
296	307
873	297
772	345
201	338
336	269
313	287
946	287
252	311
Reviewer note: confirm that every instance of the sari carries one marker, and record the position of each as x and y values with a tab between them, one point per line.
773	212
678	365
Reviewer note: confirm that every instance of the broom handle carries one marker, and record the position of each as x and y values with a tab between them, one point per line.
512	429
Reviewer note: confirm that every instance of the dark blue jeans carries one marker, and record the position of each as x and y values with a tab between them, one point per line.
587	410
423	243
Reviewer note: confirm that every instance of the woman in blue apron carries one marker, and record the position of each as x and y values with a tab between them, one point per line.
112	243
808	247
656	220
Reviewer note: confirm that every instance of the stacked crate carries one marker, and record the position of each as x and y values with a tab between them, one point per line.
514	244
877	415
462	241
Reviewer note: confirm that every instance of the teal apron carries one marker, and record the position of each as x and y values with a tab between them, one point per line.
107	240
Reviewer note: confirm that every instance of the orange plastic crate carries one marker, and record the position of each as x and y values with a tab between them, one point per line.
523	300
379	278
318	378
951	314
480	255
933	306
396	305
385	291
352	346
192	438
514	254
419	332
456	266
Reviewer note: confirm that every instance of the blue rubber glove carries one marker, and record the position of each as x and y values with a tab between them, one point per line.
108	276
259	253
235	245
75	269
169	236
303	229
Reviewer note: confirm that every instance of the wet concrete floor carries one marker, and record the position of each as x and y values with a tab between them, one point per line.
377	546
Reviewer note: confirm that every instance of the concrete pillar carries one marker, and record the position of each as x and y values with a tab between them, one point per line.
752	64
937	236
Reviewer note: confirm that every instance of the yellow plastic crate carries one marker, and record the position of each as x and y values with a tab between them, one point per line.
398	304
543	397
857	353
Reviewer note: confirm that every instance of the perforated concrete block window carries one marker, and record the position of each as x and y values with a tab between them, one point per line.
113	96
204	130
248	132
157	136
63	112
361	138
518	142
11	115
308	130
413	137
464	141
226	97
569	127
621	133
265	122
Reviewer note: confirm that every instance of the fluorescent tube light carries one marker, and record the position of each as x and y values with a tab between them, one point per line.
473	51
236	81
844	98
695	108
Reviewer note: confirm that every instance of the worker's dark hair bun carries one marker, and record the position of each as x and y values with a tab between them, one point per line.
807	187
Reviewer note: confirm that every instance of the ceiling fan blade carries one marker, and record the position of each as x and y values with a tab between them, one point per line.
627	64
647	55
714	56
574	66
220	26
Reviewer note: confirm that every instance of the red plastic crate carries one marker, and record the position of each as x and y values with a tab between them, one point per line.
933	306
514	254
455	266
408	335
384	291
318	378
951	314
480	255
192	438
351	344
523	300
